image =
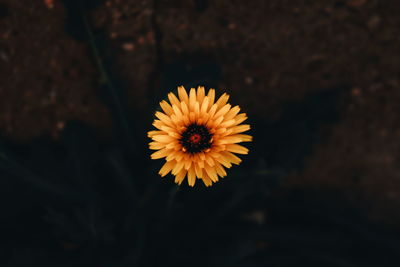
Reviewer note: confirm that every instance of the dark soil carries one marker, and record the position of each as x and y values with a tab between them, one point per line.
320	81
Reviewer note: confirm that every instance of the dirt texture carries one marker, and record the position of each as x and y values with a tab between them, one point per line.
47	77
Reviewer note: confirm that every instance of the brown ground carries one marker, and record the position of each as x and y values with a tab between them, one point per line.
269	53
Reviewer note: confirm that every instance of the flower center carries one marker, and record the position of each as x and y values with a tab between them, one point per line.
196	138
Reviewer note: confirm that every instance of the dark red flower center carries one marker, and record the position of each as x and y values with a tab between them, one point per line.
196	138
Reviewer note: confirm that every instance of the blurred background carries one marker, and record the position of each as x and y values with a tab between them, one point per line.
81	80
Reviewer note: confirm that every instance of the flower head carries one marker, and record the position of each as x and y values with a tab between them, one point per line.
197	136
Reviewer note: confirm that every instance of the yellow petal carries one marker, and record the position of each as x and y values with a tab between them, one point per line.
166	168
237	149
177	111
220	131
245	137
222	100
223	110
204	105
164	118
198	170
202	118
178	167
220	170
160	154
201	163
180	156
156	145
200	93
174	135
209	160
212	111
192	99
232	113
158	124
166	107
152	133
213	154
206	180
183	96
184	108
240	118
215	122
228	132
180	176
224	161
191	176
240	128
227	123
228	140
211	96
192	117
176	120
196	158
173	99
202	155
163	138
217	148
171	155
185	119
197	110
168	129
173	145
211	173
188	163
231	157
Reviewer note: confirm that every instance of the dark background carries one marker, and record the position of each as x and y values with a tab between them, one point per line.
79	84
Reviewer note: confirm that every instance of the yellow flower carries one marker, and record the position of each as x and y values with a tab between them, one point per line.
198	137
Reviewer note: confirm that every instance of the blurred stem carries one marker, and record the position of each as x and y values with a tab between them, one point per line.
19	171
171	199
159	55
120	115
